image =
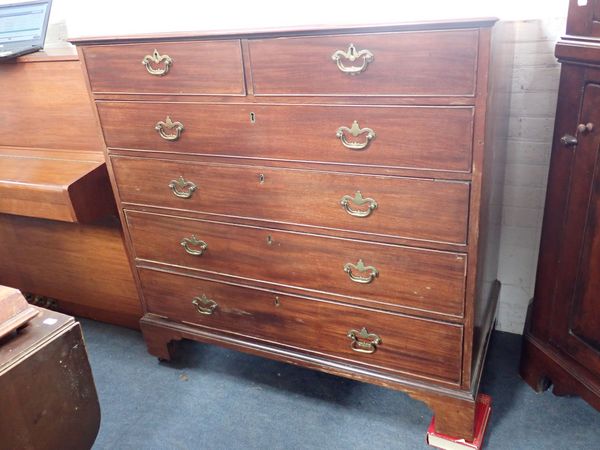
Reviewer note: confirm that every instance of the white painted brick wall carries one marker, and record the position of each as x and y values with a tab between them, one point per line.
533	107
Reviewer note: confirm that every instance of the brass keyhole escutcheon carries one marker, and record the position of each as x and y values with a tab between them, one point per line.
269	240
276	302
261	178
252	117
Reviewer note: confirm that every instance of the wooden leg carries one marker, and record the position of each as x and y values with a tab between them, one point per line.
158	340
532	368
453	416
542	365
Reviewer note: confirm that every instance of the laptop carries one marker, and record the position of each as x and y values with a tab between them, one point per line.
23	27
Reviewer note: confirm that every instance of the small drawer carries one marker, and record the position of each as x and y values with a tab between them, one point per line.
378	206
438	138
430	63
379	274
193	68
384	341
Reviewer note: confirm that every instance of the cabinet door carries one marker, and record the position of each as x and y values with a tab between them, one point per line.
577	306
584	18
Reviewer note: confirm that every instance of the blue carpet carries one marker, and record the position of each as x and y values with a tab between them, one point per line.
212	398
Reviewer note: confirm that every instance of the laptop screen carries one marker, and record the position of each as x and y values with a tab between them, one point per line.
24	24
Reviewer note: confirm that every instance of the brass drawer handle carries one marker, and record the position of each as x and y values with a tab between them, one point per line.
169	125
155	59
204	305
363	341
360	267
182	188
355	130
358	200
193	241
352	55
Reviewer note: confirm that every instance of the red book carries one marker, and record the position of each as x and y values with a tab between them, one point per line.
483	410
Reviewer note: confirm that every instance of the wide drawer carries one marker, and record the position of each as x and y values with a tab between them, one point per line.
421	209
408	345
380	274
401	136
195	68
429	63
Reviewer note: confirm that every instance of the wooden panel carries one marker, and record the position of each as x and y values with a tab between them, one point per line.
577	284
404	205
46	105
54	185
410	64
583	19
84	265
418	279
210	67
410	137
409	345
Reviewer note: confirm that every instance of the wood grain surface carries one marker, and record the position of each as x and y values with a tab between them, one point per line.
198	68
46	105
404	64
408	345
408	137
419	279
313	198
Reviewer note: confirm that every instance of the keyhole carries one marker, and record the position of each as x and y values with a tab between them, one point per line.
277	301
269	240
261	178
252	117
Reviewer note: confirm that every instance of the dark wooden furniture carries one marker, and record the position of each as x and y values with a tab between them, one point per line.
323	197
562	334
59	236
47	392
583	20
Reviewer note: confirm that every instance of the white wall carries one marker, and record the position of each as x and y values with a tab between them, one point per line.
533	105
101	17
533	97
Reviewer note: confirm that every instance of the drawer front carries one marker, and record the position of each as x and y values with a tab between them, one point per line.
409	137
408	345
382	274
438	63
418	209
194	68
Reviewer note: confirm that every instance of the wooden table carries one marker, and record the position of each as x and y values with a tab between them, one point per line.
47	394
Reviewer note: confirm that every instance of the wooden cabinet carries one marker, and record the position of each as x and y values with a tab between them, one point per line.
59	235
338	212
562	335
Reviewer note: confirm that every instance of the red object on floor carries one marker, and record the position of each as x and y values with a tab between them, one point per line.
482	415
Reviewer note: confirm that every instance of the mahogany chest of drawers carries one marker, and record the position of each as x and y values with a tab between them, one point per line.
323	197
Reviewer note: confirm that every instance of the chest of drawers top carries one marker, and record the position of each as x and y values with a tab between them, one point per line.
412	60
